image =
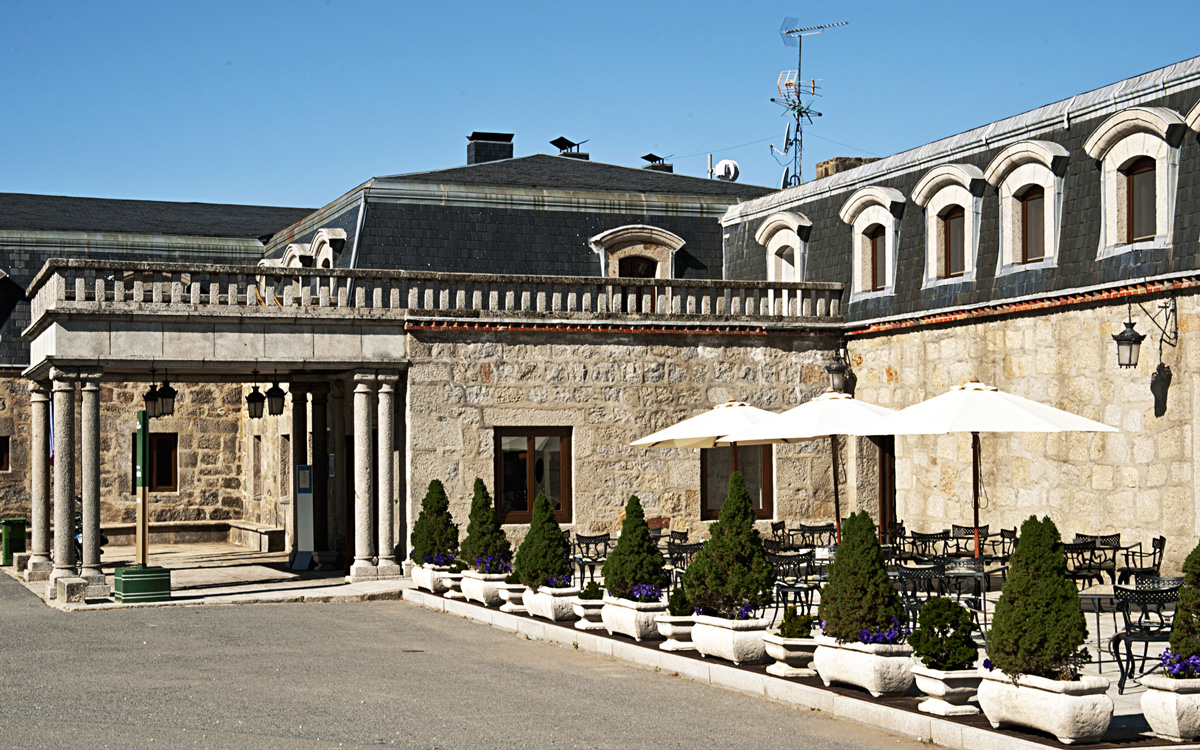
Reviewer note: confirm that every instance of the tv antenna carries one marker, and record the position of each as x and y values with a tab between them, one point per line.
793	90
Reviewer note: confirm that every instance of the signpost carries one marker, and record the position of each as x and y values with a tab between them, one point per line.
304	518
142	583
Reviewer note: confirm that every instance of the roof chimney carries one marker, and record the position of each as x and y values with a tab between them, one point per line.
569	148
657	163
483	147
841	164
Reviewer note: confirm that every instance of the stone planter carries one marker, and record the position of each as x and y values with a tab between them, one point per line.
634	619
1074	711
552	604
453	583
793	656
677	630
879	668
1172	707
483	587
738	641
513	595
429	577
948	691
588	612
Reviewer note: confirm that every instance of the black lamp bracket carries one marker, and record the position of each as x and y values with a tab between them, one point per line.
1169	327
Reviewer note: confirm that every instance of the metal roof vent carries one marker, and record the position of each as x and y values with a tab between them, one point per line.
569	148
658	163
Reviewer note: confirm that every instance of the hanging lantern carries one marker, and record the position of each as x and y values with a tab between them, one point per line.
166	399
254	403
275	397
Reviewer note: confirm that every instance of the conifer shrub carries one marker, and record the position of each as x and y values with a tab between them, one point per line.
795	625
1039	627
730	575
678	605
434	536
486	547
592	591
942	639
860	603
636	561
1185	633
543	559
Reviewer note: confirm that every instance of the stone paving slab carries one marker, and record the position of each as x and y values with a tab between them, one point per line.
896	715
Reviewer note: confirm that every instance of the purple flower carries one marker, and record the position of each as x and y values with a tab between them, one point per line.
439	558
1179	668
644	592
744	613
558	582
988	665
491	564
891	635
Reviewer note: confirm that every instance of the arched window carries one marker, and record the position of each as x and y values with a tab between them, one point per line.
953	223
1033	224
876	237
1139	199
637	267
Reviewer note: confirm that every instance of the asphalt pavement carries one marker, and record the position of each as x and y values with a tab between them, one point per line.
307	675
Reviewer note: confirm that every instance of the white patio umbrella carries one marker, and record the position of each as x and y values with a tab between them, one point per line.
702	430
828	415
974	407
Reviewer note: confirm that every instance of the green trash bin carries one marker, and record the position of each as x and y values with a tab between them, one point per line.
12	538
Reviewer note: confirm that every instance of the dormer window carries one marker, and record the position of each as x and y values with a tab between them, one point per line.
876	237
1033	224
1139	200
953	242
874	213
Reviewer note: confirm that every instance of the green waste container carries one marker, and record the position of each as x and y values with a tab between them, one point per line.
12	538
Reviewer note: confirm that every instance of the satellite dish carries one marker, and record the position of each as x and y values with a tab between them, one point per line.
784	182
727	169
787	137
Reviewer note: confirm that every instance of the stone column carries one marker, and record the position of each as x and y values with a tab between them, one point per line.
364	547
299	455
338	493
90	465
325	559
39	458
64	478
385	473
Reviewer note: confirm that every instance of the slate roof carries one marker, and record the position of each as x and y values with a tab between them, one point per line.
565	173
63	213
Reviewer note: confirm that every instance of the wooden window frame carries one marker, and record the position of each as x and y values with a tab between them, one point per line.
953	212
563	514
157	442
1140	166
5	453
767	511
877	240
1032	192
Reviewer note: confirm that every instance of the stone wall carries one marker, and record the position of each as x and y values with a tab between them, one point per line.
1139	481
209	458
611	389
14	424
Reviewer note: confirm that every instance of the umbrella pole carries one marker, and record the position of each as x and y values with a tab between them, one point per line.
975	461
837	508
733	464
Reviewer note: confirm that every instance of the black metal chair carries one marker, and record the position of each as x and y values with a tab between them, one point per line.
963	540
1002	545
1104	557
1146	620
681	556
918	584
679	537
931	546
813	536
1081	563
1138	563
795	581
589	553
1150	583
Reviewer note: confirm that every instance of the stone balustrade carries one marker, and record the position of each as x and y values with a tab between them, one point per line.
83	286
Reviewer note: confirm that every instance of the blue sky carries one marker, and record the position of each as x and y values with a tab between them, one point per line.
294	103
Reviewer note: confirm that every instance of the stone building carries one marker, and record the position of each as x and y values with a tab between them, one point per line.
1011	253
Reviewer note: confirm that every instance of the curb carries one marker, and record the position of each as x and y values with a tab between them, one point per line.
924	727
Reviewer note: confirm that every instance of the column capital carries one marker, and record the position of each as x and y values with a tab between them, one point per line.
388	376
39	390
319	392
364	376
72	374
298	389
91	384
338	387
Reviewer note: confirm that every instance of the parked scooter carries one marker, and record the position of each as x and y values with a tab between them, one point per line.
79	533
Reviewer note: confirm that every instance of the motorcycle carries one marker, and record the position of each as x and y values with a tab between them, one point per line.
79	533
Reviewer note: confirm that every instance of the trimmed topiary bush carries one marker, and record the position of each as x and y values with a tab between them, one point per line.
543	559
636	560
486	545
1185	634
1039	627
730	576
942	640
860	601
795	625
678	605
434	536
592	591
